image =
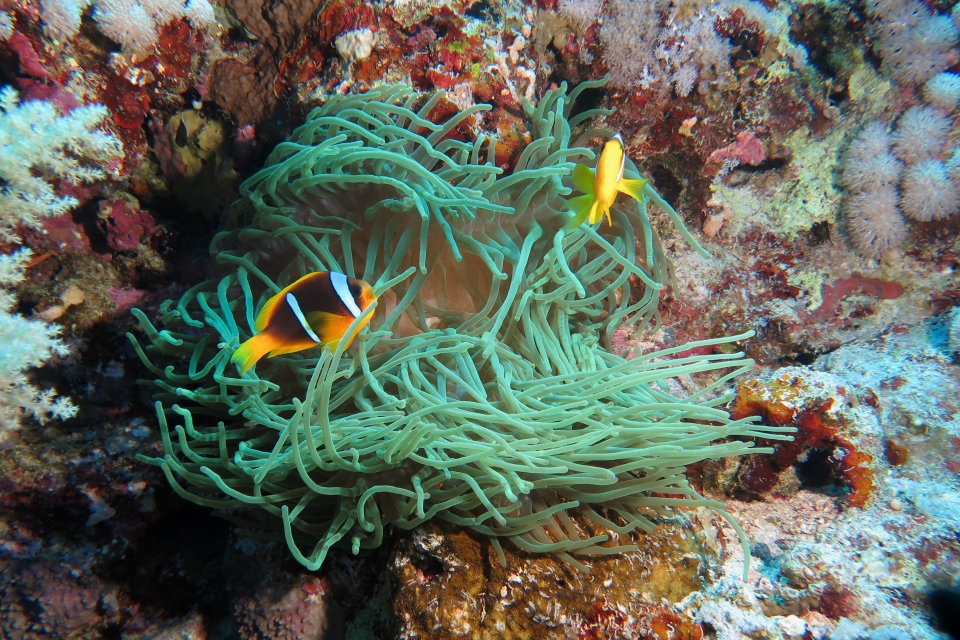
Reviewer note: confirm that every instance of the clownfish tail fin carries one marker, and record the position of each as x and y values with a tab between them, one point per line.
252	350
633	188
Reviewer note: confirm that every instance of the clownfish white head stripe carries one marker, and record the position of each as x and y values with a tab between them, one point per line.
340	285
295	307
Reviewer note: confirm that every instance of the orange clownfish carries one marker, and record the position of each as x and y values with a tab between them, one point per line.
601	185
314	311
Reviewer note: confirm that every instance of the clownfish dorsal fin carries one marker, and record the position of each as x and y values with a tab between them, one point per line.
270	308
263	318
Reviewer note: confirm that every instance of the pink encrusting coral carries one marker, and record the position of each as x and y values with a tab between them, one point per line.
748	149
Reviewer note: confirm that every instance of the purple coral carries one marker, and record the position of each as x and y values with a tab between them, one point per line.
874	221
943	91
921	134
914	43
870	164
928	192
871	173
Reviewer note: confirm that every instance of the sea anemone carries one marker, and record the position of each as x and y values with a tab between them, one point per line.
928	192
484	393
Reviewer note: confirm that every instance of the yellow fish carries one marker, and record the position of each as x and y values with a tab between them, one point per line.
601	185
314	311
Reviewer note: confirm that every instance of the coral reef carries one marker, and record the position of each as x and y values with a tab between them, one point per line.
769	127
852	568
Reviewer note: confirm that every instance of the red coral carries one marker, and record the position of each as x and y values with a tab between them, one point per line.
838	604
746	150
441	80
895	453
29	62
124	299
833	294
776	402
604	621
124	224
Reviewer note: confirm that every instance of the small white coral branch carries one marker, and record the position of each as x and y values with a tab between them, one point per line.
25	344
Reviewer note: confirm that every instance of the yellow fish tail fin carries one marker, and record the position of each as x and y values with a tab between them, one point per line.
633	188
583	178
596	212
581	207
252	350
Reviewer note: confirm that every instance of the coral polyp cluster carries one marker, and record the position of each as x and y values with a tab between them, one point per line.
485	393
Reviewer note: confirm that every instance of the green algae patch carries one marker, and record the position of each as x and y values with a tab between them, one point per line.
808	195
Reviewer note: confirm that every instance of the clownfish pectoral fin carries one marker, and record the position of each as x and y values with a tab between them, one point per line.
583	178
633	188
328	326
595	212
284	348
252	350
581	207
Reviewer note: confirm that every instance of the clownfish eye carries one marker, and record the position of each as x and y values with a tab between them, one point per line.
355	290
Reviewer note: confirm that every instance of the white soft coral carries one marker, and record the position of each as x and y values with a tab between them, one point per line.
132	23
38	147
37	144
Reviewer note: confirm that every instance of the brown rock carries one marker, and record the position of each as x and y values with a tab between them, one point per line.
452	585
243	84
